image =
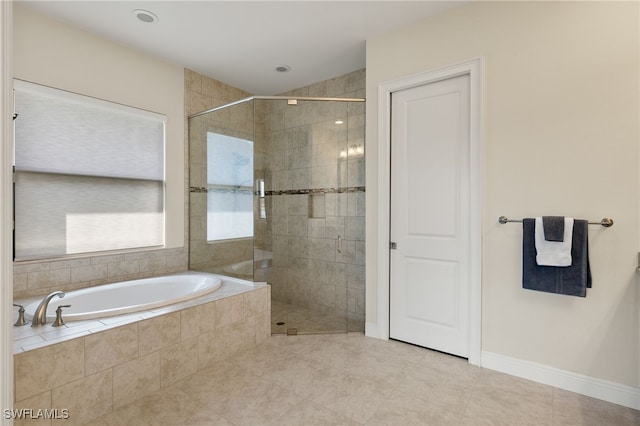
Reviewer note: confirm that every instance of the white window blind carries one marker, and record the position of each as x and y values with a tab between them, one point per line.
229	187
89	174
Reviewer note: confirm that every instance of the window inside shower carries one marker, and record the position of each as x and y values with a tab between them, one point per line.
229	187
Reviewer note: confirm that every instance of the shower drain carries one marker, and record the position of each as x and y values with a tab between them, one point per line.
280	323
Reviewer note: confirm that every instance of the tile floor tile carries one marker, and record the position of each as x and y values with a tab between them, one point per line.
311	414
257	403
216	383
350	396
207	417
350	380
169	406
409	410
574	409
300	376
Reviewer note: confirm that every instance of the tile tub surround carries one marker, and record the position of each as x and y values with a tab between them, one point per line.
40	277
94	367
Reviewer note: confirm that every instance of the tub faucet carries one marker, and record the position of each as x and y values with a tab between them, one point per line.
40	315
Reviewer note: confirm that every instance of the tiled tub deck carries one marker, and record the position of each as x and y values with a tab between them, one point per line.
93	367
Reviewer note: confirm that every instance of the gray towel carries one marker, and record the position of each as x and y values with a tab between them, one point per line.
553	228
570	280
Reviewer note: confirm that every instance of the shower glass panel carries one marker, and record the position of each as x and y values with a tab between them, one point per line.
221	152
308	202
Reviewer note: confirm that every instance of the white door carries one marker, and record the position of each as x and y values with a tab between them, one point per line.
430	202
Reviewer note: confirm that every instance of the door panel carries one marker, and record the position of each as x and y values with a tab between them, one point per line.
434	303
429	294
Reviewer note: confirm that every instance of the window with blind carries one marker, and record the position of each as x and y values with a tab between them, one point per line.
89	174
229	187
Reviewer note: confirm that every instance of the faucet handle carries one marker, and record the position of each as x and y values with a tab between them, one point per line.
20	321
58	322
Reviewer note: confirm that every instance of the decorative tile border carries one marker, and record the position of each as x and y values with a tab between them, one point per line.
317	191
350	189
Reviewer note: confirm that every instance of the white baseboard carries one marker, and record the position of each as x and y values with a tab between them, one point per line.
617	393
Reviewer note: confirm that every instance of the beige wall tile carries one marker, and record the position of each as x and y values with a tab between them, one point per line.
213	347
211	87
88	273
178	361
263	326
135	379
177	261
355	276
34	372
193	81
242	335
20	282
46	276
153	265
336	86
189	326
110	258
46	279
41	401
229	310
70	263
86	398
23	268
157	333
256	302
206	314
111	347
123	268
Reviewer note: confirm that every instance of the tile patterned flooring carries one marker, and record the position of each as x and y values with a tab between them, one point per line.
306	320
349	379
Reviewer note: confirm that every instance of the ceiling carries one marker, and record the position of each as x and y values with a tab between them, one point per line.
241	42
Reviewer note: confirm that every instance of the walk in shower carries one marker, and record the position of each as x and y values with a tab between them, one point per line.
277	194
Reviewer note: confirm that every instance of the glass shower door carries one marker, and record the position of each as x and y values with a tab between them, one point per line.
277	195
313	221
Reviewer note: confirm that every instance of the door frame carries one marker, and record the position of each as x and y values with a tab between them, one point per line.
473	68
6	206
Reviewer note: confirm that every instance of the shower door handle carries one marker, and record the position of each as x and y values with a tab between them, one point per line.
260	188
339	244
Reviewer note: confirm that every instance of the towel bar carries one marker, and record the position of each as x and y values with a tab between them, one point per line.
607	222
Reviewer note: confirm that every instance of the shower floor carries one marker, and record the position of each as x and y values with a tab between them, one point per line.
286	317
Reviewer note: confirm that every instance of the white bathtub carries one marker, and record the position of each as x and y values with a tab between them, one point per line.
129	296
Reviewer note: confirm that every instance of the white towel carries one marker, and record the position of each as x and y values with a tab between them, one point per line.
554	253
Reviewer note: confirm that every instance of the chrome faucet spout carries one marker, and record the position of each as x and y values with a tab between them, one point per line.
40	315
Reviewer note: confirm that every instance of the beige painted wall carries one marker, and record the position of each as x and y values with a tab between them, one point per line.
52	53
560	137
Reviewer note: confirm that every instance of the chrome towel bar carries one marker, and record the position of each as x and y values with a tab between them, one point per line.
607	222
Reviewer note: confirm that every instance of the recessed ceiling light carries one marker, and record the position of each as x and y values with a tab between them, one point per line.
283	68
145	16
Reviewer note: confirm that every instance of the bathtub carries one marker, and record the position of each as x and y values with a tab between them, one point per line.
129	296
